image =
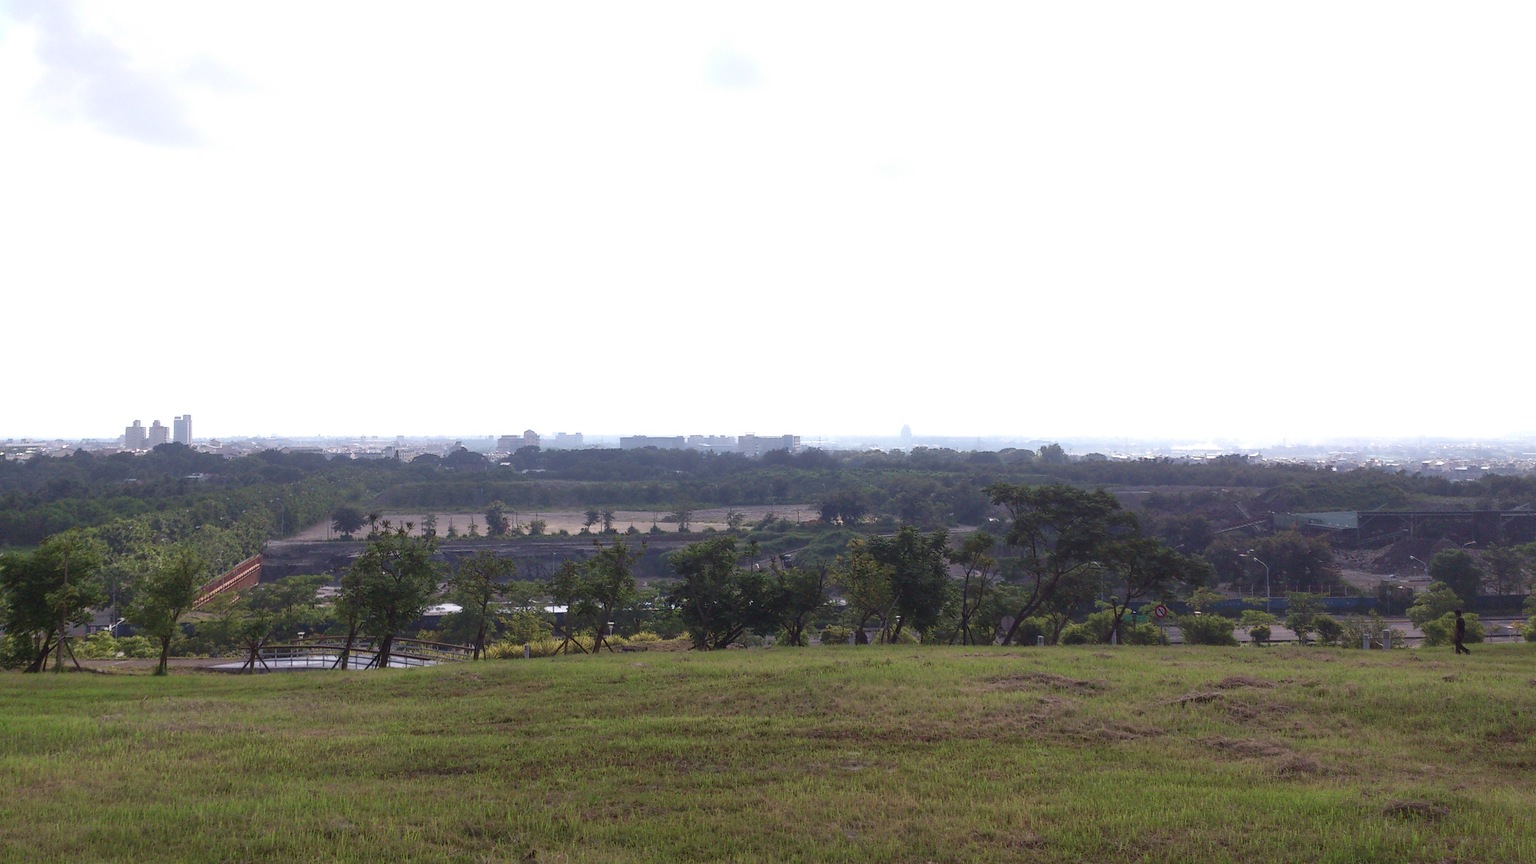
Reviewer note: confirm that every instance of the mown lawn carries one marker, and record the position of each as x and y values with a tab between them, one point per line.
1169	754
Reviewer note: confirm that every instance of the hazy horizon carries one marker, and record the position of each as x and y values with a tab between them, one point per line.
1185	220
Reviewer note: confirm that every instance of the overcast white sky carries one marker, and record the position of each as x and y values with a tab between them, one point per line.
1263	221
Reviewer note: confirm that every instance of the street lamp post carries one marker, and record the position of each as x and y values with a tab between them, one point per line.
1421	561
1250	557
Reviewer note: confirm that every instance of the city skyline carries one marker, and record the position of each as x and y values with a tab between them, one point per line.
1180	221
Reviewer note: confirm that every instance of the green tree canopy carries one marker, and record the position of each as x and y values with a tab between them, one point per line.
164	593
1055	532
390	585
717	599
347	520
45	593
919	574
475	585
1458	570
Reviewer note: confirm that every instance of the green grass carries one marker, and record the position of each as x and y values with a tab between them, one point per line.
826	754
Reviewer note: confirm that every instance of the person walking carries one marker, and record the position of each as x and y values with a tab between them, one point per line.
1461	634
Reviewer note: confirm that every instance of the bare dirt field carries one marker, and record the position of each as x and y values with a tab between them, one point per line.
573	520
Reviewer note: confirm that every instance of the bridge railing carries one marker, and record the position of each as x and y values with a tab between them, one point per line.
325	652
242	575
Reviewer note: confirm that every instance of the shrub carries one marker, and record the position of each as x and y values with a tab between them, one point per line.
836	634
525	625
102	645
1442	630
1032	628
1357	627
1095	629
1328	629
1207	629
1077	634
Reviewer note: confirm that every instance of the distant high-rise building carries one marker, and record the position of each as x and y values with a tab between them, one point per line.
181	430
906	437
158	435
134	436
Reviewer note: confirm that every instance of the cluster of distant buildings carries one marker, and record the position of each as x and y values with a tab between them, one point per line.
139	437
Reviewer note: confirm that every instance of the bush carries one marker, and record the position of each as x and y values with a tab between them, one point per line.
102	645
1328	629
1357	627
525	625
1077	634
1030	629
1095	630
1442	630
1207	630
836	634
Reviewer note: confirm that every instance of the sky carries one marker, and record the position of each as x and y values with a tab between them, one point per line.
1202	220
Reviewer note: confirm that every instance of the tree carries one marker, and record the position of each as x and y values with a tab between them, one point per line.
1052	454
1296	563
1301	611
292	603
537	527
867	588
346	520
164	592
592	518
607	517
1257	622
390	585
1458	570
843	507
475	585
1056	532
684	517
567	588
609	583
718	600
975	556
919	575
45	593
1506	572
1145	569
803	594
496	522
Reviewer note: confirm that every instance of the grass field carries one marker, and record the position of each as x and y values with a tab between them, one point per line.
826	754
